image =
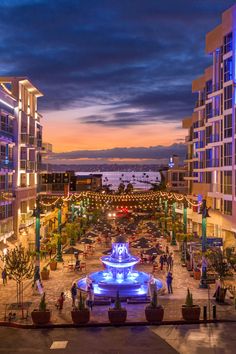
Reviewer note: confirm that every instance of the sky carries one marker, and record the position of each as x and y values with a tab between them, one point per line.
114	73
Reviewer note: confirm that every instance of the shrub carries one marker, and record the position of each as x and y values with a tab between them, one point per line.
42	304
189	299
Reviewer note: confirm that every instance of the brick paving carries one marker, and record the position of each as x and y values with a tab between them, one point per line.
62	279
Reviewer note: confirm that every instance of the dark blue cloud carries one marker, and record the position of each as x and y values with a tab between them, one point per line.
138	56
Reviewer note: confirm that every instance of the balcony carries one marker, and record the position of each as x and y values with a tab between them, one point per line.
228	161
6	131
212	139
199	103
200	145
29	166
6	164
26	220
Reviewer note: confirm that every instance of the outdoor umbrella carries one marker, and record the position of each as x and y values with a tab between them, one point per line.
152	251
107	252
72	250
86	241
91	235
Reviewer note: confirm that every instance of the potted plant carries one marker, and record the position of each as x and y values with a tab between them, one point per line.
53	264
80	314
42	315
196	273
220	265
45	273
117	314
190	312
154	312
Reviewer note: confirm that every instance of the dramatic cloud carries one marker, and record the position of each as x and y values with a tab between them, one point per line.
135	59
158	153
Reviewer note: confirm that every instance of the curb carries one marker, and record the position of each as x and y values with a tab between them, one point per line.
108	324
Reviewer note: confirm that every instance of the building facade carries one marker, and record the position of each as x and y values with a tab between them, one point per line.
211	136
21	145
175	178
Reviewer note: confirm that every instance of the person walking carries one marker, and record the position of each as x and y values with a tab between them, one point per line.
167	249
4	276
161	261
169	262
90	297
169	279
60	301
73	294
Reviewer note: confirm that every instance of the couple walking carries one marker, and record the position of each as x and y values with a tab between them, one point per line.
89	298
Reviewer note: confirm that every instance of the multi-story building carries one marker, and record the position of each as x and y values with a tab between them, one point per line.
212	134
65	182
175	179
21	144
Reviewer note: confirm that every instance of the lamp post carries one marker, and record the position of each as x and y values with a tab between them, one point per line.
173	238
59	248
205	215
185	220
166	213
36	214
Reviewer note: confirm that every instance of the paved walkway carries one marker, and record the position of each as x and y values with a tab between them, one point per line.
61	280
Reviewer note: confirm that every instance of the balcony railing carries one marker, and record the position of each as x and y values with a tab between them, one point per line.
212	139
6	164
199	103
6	128
27	165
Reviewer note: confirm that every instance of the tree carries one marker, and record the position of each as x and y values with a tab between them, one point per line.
19	265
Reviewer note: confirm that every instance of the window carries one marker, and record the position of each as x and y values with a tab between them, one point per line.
228	207
228	69
227	182
5	211
209	86
228	39
228	126
228	91
209	158
208	177
209	110
228	154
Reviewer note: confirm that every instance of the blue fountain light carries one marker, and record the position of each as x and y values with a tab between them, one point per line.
119	274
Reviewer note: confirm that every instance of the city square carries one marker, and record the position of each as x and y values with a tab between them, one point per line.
117	177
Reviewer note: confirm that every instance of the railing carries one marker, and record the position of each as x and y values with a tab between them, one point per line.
228	161
216	87
6	164
199	103
6	128
27	165
191	156
212	139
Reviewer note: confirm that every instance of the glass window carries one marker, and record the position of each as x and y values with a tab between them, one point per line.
228	154
228	39
228	69
209	110
228	207
228	126
209	86
227	182
228	91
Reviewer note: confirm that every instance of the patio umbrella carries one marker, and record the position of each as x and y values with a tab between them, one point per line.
91	235
152	251
72	250
107	252
86	241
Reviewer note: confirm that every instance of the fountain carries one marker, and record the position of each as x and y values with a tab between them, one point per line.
119	275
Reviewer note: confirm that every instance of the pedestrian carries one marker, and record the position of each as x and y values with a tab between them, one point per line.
90	297
167	249
161	261
165	258
76	254
60	301
4	276
169	262
73	291
169	279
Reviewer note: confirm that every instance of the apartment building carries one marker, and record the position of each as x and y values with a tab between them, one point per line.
175	178
211	136
21	144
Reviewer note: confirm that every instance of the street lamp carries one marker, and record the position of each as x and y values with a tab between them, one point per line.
59	205
205	215
36	213
173	238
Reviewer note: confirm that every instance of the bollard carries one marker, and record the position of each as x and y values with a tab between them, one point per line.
214	312
205	312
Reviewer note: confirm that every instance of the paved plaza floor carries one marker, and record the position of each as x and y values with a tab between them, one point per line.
62	280
184	339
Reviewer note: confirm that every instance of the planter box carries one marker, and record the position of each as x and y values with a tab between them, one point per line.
53	265
45	274
41	317
191	313
80	316
117	316
154	315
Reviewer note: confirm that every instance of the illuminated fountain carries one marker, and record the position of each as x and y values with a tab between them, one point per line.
120	275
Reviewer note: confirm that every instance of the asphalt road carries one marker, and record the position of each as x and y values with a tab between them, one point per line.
188	339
